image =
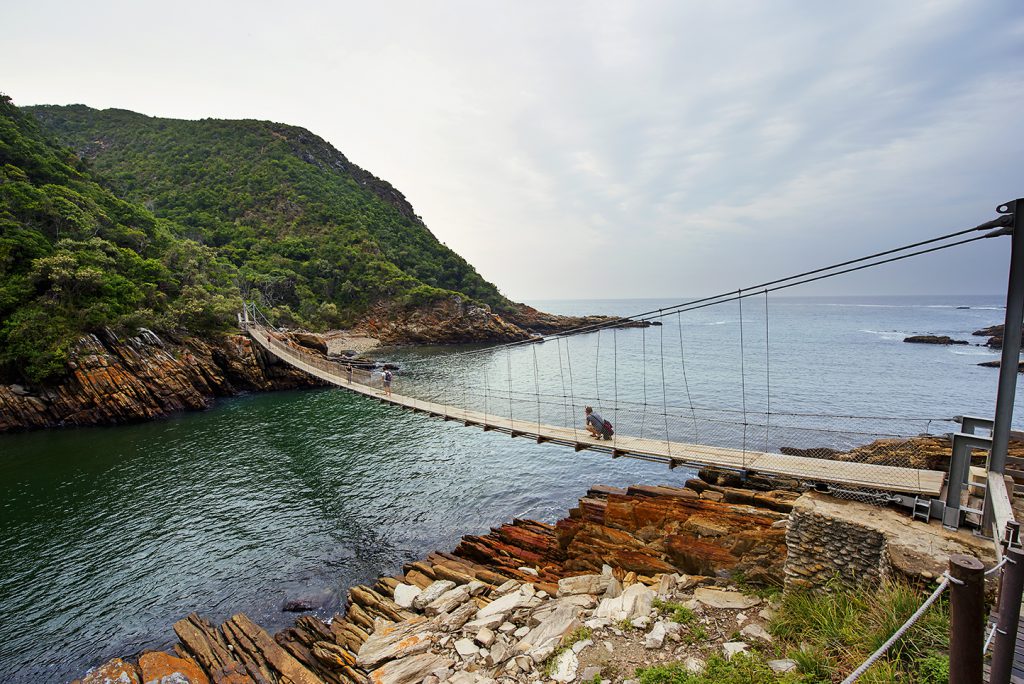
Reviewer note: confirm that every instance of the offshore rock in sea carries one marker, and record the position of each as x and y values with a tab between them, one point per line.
933	339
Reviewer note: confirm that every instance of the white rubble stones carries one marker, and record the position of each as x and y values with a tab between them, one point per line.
490	622
635	602
405	594
390	641
521	632
783	665
485	637
466	677
589	673
449	622
409	670
529	571
721	598
584	584
731	648
504	628
756	631
581	646
431	593
694	664
476	588
505	604
466	648
666	586
505	588
563	621
565	666
656	637
447	602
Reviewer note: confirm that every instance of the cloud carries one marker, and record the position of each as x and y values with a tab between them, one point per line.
604	149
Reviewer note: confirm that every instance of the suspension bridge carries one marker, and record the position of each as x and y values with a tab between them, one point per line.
806	469
532	413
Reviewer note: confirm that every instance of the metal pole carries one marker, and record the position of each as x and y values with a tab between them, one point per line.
1010	589
1011	340
966	619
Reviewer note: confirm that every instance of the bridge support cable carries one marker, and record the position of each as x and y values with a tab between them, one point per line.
508	363
643	343
686	383
572	389
997	227
743	376
664	390
597	368
536	388
615	376
767	378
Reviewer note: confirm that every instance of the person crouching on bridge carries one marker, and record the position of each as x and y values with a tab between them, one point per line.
597	426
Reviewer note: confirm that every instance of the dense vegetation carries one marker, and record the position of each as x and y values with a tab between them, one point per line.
308	231
74	258
170	224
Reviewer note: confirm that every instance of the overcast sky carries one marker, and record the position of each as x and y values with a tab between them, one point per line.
591	149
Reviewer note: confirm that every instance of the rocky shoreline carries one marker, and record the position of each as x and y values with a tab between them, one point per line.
112	379
631	578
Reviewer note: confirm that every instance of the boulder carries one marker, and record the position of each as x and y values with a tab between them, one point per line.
432	593
156	665
932	339
490	622
405	594
391	641
721	598
448	601
503	605
466	648
449	622
565	666
756	631
731	648
409	670
656	637
114	671
563	621
584	584
635	602
783	665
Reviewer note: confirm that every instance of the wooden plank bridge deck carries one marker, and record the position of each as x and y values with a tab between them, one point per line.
880	477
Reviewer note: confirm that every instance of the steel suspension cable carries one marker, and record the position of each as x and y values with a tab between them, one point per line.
743	377
686	384
536	385
664	391
767	378
572	392
511	416
643	418
615	374
597	368
802	277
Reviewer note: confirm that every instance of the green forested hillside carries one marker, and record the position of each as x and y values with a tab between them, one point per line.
306	228
74	258
169	224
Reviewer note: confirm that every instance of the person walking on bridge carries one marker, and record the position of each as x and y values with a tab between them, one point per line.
597	426
387	382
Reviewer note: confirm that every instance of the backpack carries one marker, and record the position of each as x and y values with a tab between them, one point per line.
608	428
387	376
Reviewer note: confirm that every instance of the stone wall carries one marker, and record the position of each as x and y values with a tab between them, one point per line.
856	544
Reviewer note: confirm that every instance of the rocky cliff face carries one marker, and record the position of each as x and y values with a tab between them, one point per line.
112	380
446	321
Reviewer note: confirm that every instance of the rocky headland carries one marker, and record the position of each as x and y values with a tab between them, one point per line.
630	578
933	339
112	380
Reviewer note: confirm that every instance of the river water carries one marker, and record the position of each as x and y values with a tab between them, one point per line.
109	535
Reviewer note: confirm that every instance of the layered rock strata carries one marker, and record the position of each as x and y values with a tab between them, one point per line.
112	380
504	602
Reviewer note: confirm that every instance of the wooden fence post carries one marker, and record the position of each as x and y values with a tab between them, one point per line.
966	619
1005	639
